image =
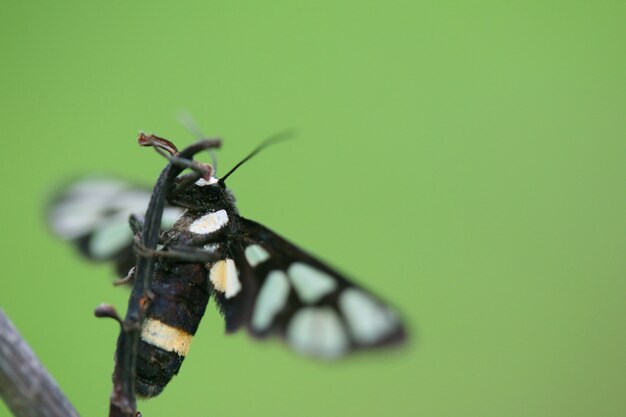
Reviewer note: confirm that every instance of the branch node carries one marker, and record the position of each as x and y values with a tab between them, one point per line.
107	311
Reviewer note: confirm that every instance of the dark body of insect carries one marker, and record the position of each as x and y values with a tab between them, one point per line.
181	288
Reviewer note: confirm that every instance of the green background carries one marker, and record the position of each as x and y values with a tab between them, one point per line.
465	160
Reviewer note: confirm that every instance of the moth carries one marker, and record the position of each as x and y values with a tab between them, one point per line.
260	281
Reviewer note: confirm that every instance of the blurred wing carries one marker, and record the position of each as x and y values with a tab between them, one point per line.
93	214
287	292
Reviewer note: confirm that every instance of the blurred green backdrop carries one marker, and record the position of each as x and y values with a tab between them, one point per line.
465	160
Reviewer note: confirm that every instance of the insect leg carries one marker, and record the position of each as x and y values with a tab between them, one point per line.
184	182
183	254
190	124
128	279
136	223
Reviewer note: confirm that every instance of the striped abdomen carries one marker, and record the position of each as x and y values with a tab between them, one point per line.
180	298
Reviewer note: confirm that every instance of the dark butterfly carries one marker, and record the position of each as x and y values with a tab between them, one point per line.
259	280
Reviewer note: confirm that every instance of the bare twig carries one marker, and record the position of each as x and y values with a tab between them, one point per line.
123	403
25	385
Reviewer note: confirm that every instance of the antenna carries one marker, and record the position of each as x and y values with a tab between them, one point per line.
186	119
275	138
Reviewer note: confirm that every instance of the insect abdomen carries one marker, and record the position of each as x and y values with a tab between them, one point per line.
180	298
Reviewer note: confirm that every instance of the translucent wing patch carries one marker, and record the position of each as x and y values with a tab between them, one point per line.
93	213
289	293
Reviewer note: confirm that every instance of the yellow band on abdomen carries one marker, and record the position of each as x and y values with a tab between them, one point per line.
166	337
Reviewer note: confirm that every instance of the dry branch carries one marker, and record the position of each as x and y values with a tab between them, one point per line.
25	385
122	401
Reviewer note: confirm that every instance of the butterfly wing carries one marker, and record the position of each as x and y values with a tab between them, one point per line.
93	213
289	293
282	291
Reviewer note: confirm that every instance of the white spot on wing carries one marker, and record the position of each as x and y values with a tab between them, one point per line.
317	332
368	320
98	186
129	200
255	254
170	216
271	300
209	223
71	225
223	276
168	338
310	283
109	239
91	202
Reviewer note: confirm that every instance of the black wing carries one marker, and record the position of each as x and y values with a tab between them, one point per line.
93	214
287	292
